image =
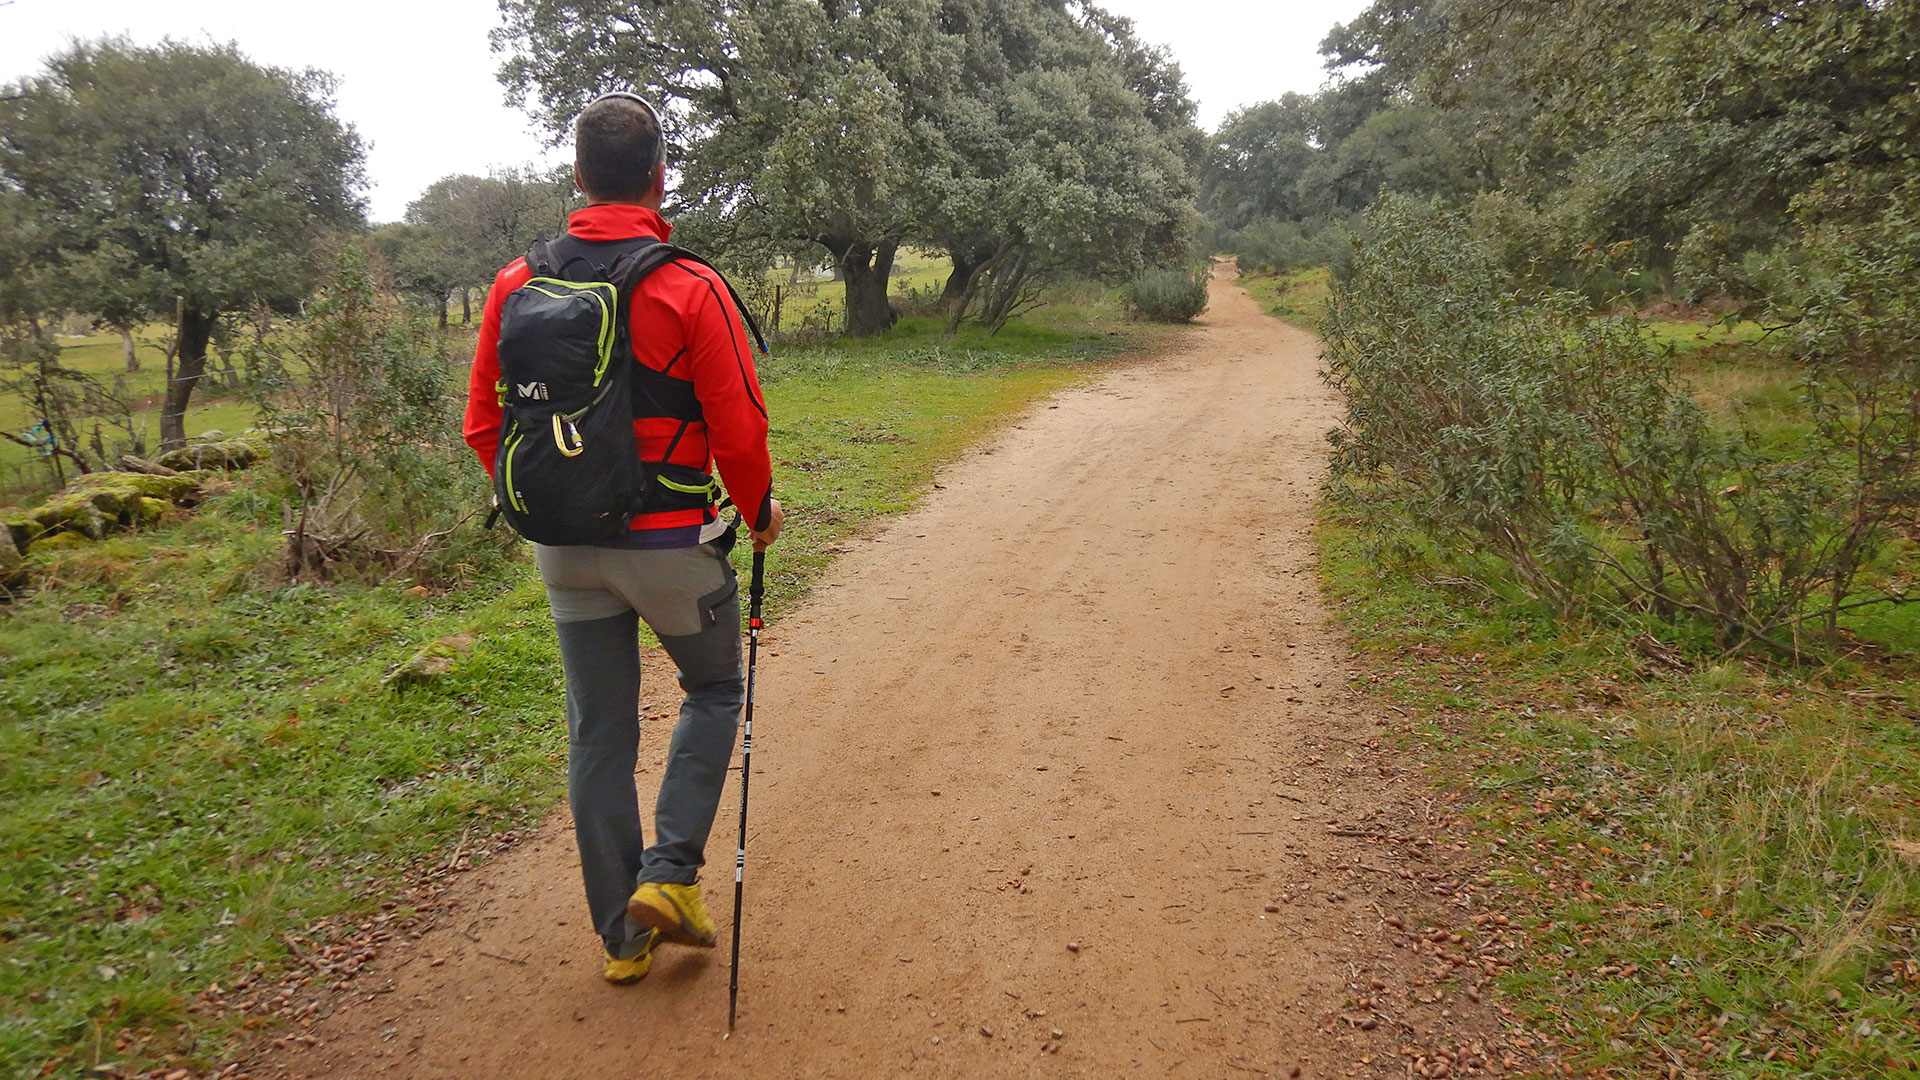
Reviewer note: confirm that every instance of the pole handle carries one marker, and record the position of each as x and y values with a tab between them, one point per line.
757	588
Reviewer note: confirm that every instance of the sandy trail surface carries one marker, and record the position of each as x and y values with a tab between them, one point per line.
1031	764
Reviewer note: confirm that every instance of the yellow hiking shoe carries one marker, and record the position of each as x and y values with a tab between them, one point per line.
674	910
632	969
622	972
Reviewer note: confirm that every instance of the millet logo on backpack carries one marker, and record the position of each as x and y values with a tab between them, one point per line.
533	391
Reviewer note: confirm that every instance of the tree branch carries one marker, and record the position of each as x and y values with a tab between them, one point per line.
61	451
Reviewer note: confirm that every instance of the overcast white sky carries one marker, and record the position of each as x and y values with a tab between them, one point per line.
417	76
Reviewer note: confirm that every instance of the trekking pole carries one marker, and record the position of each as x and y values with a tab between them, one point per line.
755	591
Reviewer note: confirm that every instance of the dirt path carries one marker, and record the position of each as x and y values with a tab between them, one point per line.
1033	762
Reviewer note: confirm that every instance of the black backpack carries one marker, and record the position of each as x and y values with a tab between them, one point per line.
568	469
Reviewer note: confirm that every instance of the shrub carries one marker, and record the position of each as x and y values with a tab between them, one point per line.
1167	294
1565	446
61	403
364	414
1282	246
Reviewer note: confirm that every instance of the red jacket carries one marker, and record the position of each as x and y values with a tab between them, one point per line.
684	324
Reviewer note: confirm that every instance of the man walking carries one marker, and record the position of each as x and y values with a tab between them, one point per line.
697	403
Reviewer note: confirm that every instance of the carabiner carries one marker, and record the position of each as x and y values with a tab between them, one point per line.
560	437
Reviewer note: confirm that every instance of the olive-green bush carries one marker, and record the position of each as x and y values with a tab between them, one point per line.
1166	293
1564	444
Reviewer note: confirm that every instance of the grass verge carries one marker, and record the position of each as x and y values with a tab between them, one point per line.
1298	296
1717	864
197	768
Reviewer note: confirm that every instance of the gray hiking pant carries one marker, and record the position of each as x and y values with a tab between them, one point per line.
690	598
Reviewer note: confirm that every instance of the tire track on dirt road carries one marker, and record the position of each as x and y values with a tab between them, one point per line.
1033	763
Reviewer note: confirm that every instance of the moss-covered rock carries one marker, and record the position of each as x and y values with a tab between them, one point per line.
109	502
430	663
128	486
148	511
73	512
60	541
20	527
230	454
99	503
239	452
9	555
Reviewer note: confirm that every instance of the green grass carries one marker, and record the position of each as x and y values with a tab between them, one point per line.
101	356
196	766
810	307
1715	862
1715	865
818	305
23	474
1727	365
1298	297
1732	371
1705	337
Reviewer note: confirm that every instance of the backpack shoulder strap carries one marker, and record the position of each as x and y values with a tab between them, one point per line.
649	259
573	260
540	258
631	268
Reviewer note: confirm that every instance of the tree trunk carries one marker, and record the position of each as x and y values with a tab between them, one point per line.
964	268
867	269
973	266
126	345
46	356
196	329
957	307
1006	291
443	311
466	306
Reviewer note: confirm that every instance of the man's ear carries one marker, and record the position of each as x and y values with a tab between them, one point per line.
577	185
659	181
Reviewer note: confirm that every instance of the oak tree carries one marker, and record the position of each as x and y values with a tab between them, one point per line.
1019	135
785	111
471	226
205	176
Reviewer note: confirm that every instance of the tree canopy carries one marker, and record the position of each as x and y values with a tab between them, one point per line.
1065	146
1701	156
976	126
463	228
177	171
1705	142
